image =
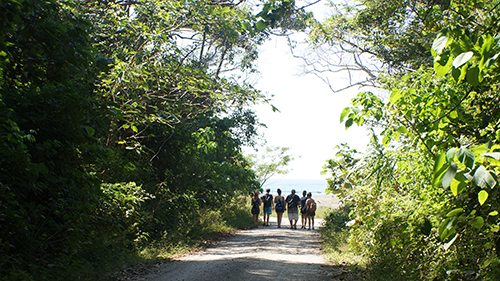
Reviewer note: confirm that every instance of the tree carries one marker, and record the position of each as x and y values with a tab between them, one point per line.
438	202
272	162
46	190
374	38
119	123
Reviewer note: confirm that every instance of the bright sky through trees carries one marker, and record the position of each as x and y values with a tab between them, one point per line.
309	117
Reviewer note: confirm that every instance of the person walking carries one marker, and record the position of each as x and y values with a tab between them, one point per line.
255	208
268	206
303	209
280	206
310	210
292	202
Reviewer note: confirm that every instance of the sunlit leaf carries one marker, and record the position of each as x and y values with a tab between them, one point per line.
395	96
403	179
494	228
440	43
402	130
449	175
482	196
344	113
462	59
450	155
386	140
447	228
440	168
449	243
483	178
442	69
494	155
455	212
458	184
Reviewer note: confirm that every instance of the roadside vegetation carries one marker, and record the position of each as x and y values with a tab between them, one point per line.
335	238
425	191
122	125
121	130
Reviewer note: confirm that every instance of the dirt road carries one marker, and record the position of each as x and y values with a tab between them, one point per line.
263	253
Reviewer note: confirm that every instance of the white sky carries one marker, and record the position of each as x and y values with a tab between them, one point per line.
309	121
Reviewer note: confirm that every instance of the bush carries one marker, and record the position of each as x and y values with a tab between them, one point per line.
335	236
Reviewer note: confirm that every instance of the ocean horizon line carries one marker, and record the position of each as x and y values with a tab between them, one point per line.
315	186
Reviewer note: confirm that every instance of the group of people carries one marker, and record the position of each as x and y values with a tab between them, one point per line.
293	204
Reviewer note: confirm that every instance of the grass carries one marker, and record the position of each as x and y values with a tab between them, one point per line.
335	236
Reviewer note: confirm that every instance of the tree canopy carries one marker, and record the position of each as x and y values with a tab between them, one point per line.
122	122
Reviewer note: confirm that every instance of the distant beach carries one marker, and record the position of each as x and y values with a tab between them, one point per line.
326	201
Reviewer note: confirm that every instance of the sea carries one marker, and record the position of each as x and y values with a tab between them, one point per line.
317	186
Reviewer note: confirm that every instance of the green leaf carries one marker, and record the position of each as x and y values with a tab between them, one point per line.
386	140
402	130
443	65
482	196
474	76
449	175
466	157
260	25
494	228
440	43
456	73
395	96
440	167
403	179
40	167
483	178
492	214
488	43
477	222
450	155
462	59
344	113
90	131
458	184
449	243
3	54
348	123
494	155
453	212
447	228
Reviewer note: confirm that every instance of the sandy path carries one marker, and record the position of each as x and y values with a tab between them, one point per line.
263	253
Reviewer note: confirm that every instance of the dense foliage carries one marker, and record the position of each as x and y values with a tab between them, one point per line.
426	191
121	126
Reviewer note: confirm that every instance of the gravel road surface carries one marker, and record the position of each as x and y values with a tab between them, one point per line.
262	253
